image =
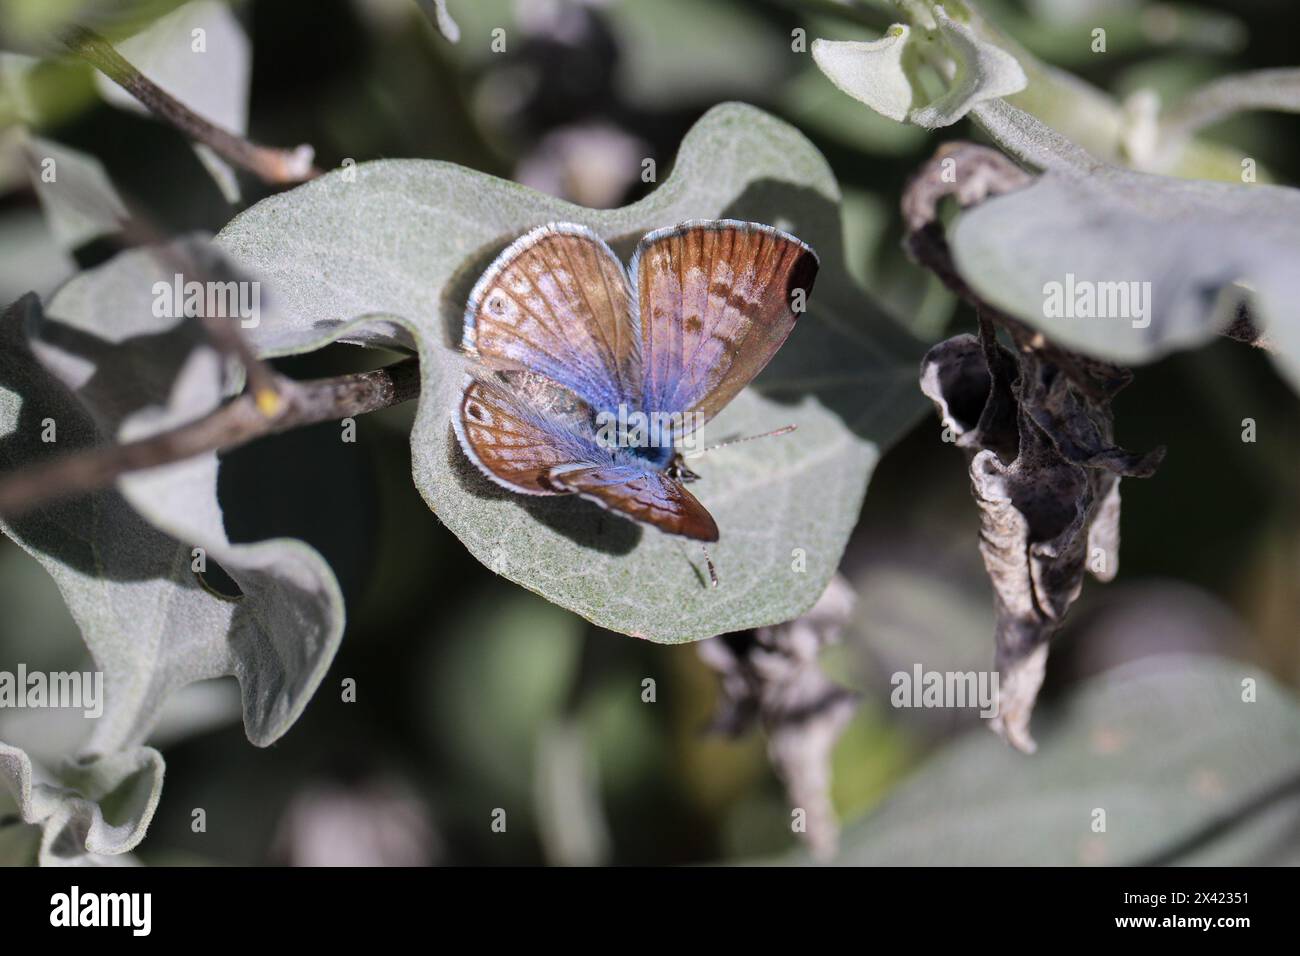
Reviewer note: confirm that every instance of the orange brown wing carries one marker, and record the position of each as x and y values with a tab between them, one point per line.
641	493
717	298
512	443
558	302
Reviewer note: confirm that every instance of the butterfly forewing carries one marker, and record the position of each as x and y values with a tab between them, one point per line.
644	494
716	299
558	302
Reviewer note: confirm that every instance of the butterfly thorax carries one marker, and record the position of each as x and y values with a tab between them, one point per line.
656	456
650	439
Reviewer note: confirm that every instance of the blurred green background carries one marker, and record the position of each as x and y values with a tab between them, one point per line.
475	695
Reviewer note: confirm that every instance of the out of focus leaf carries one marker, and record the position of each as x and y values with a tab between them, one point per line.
1053	28
884	73
669	53
15	98
34	260
980	64
495	688
1174	249
79	201
566	787
982	71
1277	89
870	71
911	612
122	558
429	229
29	26
200	55
1184	766
91	812
821	109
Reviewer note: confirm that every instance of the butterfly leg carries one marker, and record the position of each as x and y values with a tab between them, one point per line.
713	574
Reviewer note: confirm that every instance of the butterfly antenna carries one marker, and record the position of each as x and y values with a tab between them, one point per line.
713	574
736	441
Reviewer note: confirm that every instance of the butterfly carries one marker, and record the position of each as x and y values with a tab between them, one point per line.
588	378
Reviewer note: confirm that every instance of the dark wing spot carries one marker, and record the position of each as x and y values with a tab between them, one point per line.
693	323
474	411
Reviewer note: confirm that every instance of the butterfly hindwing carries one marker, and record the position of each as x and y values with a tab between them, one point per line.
558	302
511	442
543	454
717	299
644	494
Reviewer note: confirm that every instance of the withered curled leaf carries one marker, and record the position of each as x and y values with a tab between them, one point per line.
1045	474
1038	433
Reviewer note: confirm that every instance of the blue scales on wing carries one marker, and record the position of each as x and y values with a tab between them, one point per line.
558	302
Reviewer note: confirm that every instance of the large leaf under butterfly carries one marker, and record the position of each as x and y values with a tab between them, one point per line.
566	338
386	253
